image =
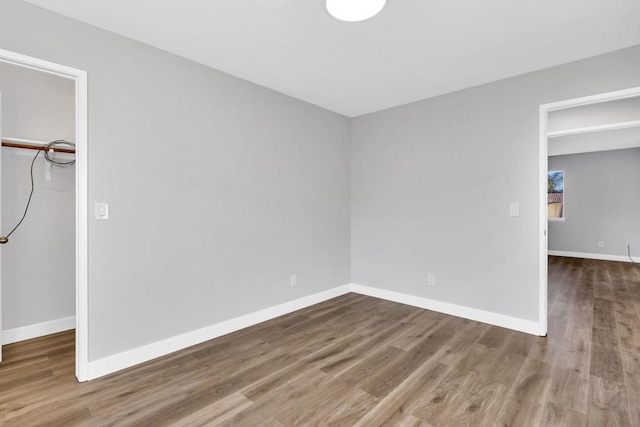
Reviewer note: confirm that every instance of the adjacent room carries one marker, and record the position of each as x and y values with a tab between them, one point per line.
594	152
327	212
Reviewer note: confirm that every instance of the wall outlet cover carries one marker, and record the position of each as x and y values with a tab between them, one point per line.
431	279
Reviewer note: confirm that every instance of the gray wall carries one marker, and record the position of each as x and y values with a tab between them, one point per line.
40	107
602	202
219	189
432	182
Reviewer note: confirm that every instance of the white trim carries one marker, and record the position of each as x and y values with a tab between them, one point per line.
593	99
543	162
145	353
602	257
1	338
82	195
126	359
591	129
38	330
517	324
543	213
25	141
82	226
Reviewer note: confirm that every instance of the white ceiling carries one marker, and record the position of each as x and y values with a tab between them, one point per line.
414	49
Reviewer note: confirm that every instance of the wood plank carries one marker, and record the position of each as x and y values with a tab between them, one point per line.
608	405
465	396
575	352
514	413
411	421
312	409
458	347
183	404
628	325
532	383
606	363
404	399
216	412
280	397
59	413
384	381
631	365
361	372
569	390
271	384
416	333
520	343
495	337
340	357
555	416
605	349
349	411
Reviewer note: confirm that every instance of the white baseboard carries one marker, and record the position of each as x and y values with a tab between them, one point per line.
602	257
148	352
475	314
38	330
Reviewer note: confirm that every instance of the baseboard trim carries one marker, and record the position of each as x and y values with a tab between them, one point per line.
127	359
38	330
117	362
601	257
517	324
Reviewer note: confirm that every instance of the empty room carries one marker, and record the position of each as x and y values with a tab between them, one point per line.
319	212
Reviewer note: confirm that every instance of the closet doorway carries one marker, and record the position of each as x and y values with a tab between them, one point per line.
56	273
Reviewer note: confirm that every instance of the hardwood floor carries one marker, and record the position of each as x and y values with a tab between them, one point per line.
356	360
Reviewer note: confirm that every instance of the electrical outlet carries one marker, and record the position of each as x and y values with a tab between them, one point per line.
294	280
431	279
600	244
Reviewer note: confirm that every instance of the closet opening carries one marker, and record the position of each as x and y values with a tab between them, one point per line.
43	203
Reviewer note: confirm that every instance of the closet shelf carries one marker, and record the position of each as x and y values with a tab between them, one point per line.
592	129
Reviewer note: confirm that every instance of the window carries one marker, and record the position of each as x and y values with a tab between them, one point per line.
555	195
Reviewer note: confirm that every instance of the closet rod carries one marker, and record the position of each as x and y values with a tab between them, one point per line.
36	147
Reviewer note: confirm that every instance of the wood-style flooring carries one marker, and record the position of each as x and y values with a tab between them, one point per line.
357	360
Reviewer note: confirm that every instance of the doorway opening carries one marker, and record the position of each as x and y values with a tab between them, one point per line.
78	79
572	132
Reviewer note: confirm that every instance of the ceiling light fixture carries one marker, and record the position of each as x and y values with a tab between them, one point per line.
354	10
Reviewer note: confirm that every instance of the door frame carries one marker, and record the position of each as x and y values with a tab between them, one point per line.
82	195
545	109
1	338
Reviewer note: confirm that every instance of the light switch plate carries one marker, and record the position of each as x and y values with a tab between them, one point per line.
514	209
102	211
